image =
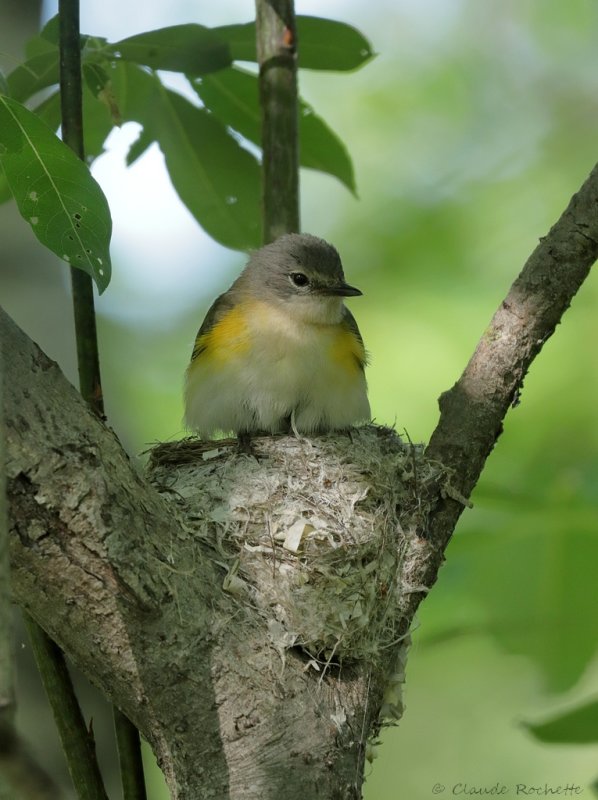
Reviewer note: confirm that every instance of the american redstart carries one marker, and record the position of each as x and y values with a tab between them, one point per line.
279	350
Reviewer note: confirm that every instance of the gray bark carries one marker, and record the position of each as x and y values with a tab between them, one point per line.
176	606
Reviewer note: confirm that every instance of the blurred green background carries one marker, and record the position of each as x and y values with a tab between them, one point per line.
469	133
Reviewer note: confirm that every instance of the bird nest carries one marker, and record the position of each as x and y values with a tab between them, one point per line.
312	533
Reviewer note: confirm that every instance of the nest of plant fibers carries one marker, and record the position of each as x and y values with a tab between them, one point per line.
310	532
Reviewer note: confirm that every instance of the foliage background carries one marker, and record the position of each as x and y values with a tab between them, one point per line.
469	133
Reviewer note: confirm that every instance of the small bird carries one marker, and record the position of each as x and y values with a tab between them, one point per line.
279	351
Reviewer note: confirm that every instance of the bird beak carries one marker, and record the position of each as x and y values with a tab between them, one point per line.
343	290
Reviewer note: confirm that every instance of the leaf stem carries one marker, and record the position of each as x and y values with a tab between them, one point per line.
276	33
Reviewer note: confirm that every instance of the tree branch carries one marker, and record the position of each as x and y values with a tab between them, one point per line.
20	776
144	596
277	56
472	412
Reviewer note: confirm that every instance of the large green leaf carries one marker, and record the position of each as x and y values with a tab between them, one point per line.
55	192
323	43
578	726
37	73
190	48
218	180
214	176
232	95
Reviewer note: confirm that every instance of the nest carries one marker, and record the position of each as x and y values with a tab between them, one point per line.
310	532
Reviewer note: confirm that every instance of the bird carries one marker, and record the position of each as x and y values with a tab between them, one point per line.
279	351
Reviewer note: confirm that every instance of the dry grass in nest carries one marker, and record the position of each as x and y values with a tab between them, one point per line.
312	532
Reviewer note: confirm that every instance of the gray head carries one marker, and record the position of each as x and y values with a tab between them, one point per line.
299	269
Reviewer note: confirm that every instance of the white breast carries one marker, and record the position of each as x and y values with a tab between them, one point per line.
288	368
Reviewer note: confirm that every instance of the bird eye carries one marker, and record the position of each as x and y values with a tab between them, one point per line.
299	279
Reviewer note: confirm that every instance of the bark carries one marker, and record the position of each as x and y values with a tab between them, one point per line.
135	597
277	57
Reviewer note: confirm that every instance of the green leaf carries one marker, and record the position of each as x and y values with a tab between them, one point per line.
49	111
51	30
321	148
96	77
579	726
324	44
217	179
3	83
5	193
181	48
97	120
232	95
100	115
37	73
55	192
45	41
139	146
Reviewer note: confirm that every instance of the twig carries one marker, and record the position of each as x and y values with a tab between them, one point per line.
129	754
71	108
472	412
81	757
277	56
86	335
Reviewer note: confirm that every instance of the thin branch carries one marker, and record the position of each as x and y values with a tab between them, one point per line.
129	754
472	412
86	334
81	757
71	108
277	56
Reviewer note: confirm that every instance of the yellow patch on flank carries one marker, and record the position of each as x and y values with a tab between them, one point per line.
227	339
347	350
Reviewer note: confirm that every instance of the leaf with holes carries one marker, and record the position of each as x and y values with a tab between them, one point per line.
55	192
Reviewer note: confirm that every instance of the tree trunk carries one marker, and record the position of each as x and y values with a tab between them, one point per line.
245	616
